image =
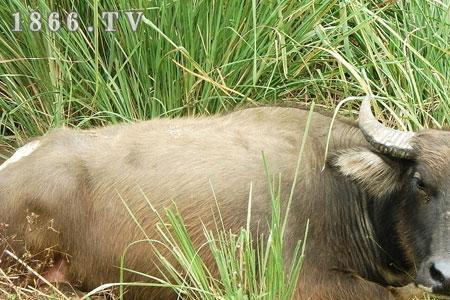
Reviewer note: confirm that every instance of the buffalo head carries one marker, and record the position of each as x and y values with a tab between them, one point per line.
422	193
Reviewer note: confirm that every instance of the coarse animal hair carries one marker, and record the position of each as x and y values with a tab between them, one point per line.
75	183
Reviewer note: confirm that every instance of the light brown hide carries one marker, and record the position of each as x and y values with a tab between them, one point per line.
76	182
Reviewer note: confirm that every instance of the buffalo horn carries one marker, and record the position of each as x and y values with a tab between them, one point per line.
385	140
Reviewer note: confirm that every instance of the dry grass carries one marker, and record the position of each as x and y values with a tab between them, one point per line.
23	278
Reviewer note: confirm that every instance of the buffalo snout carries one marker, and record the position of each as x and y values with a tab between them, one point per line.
434	275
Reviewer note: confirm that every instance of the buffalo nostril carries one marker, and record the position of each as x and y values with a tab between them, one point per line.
437	275
434	275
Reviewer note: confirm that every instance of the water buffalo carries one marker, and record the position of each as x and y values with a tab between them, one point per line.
379	211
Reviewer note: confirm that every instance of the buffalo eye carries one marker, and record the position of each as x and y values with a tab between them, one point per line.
418	181
421	187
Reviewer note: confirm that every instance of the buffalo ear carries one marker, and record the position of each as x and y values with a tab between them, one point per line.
373	172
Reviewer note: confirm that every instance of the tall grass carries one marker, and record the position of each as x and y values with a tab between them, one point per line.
202	57
239	265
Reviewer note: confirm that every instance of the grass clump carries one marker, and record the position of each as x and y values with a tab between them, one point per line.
204	57
228	265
